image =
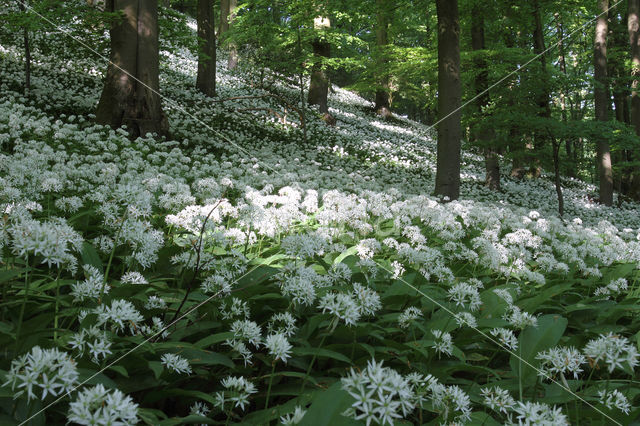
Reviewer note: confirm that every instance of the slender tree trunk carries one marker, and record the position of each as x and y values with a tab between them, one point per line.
601	104
449	99
206	79
382	100
233	50
224	18
633	27
27	48
130	94
484	136
568	143
543	94
319	84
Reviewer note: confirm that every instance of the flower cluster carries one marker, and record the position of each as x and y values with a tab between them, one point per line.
48	370
98	406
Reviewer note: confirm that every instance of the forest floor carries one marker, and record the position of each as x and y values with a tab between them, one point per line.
293	267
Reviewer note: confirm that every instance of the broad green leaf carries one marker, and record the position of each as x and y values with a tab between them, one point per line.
327	407
321	353
533	340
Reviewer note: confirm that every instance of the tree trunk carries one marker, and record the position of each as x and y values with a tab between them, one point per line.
224	17
543	93
130	95
484	136
568	143
206	79
449	98
27	48
319	84
383	103
601	95
233	50
633	26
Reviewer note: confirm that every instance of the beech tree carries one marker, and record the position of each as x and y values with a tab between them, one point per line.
449	99
130	94
206	78
319	83
382	97
227	13
602	101
633	27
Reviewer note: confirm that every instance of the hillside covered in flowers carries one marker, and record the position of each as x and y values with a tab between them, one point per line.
242	272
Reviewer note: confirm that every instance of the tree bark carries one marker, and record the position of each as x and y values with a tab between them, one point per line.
206	78
568	143
601	95
224	17
233	50
543	93
382	99
319	84
484	136
449	99
130	94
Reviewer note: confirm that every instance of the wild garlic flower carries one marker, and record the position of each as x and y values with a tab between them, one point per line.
237	391
369	268
304	246
133	277
367	248
613	349
339	272
95	340
614	288
381	394
498	399
466	319
215	284
119	314
279	347
91	287
98	406
519	318
506	337
238	308
293	418
53	240
408	316
155	302
536	413
464	295
453	403
248	331
343	306
49	370
176	363
300	284
157	329
614	399
69	204
199	409
560	360
367	299
443	343
283	323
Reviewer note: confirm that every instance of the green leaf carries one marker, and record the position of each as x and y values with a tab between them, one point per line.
90	256
533	340
327	407
156	367
348	252
321	353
